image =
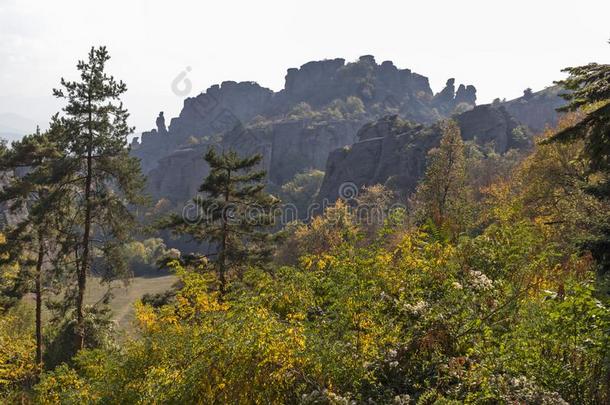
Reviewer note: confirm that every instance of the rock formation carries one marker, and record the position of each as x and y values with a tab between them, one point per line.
288	147
447	100
161	128
486	124
393	152
466	94
298	127
538	109
217	110
248	117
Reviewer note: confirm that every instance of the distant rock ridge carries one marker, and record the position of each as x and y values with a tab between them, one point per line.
318	83
381	88
325	108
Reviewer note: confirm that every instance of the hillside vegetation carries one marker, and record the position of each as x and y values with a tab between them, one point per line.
482	280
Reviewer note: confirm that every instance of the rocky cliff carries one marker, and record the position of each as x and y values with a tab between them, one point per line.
392	151
536	109
288	147
219	109
379	86
320	109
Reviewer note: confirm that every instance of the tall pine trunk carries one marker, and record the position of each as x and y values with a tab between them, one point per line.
223	246
38	293
82	274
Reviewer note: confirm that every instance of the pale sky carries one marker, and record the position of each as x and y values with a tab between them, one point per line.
501	47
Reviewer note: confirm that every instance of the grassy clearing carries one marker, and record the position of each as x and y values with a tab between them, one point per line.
126	295
121	304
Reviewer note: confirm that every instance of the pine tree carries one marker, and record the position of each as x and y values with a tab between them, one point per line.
234	214
92	134
589	91
39	200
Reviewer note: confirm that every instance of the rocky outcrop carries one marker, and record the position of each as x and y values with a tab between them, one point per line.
381	88
381	85
489	125
447	100
393	152
397	157
446	95
287	147
537	109
466	94
219	109
312	81
301	145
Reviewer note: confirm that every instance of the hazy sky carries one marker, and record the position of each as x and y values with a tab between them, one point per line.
501	47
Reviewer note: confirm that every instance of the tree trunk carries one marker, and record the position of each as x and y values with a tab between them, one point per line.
82	273
223	244
39	301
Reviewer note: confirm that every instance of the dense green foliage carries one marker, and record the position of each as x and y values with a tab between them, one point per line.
503	311
590	91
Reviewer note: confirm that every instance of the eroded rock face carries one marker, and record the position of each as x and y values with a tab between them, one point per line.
380	128
217	110
488	125
538	109
319	83
252	119
393	152
465	94
299	146
221	108
397	157
380	87
447	100
178	175
312	81
287	147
